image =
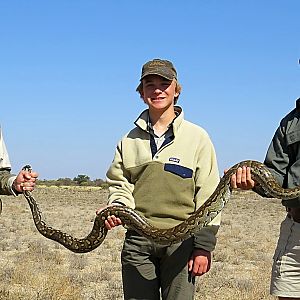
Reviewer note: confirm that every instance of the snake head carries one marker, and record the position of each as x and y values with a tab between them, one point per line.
27	168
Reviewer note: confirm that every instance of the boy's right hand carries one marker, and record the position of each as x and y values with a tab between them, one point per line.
111	221
242	179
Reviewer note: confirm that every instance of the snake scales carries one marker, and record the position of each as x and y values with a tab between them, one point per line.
187	228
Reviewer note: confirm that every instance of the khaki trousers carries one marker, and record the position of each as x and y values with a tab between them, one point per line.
285	281
151	271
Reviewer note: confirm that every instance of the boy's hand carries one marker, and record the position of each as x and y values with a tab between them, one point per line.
199	262
111	221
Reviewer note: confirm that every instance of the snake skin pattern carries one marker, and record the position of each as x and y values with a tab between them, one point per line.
200	218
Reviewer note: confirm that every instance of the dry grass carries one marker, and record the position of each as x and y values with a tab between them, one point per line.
33	267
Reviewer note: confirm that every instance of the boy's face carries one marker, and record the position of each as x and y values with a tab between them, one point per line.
158	92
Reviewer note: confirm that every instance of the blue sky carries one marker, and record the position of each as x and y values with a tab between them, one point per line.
69	69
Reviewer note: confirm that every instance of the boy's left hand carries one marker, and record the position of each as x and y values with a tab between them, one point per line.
199	262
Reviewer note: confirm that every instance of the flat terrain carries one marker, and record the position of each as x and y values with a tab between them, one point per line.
33	267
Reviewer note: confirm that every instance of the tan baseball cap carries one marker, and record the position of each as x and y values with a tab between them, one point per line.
161	67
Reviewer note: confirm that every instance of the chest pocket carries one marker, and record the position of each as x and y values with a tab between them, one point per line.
293	145
181	171
293	137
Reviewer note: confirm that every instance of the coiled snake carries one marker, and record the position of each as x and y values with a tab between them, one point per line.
200	218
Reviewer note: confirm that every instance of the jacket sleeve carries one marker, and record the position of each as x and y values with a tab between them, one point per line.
6	180
277	159
206	180
120	188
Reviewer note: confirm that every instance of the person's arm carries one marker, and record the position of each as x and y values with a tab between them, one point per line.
6	182
206	179
120	189
15	184
278	157
6	179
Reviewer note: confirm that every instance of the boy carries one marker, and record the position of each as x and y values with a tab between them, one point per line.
165	168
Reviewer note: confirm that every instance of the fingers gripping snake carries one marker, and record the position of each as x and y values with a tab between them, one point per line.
200	218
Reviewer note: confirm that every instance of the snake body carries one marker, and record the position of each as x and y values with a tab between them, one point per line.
200	218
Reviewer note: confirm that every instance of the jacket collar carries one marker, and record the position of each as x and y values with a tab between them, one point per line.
298	104
142	120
